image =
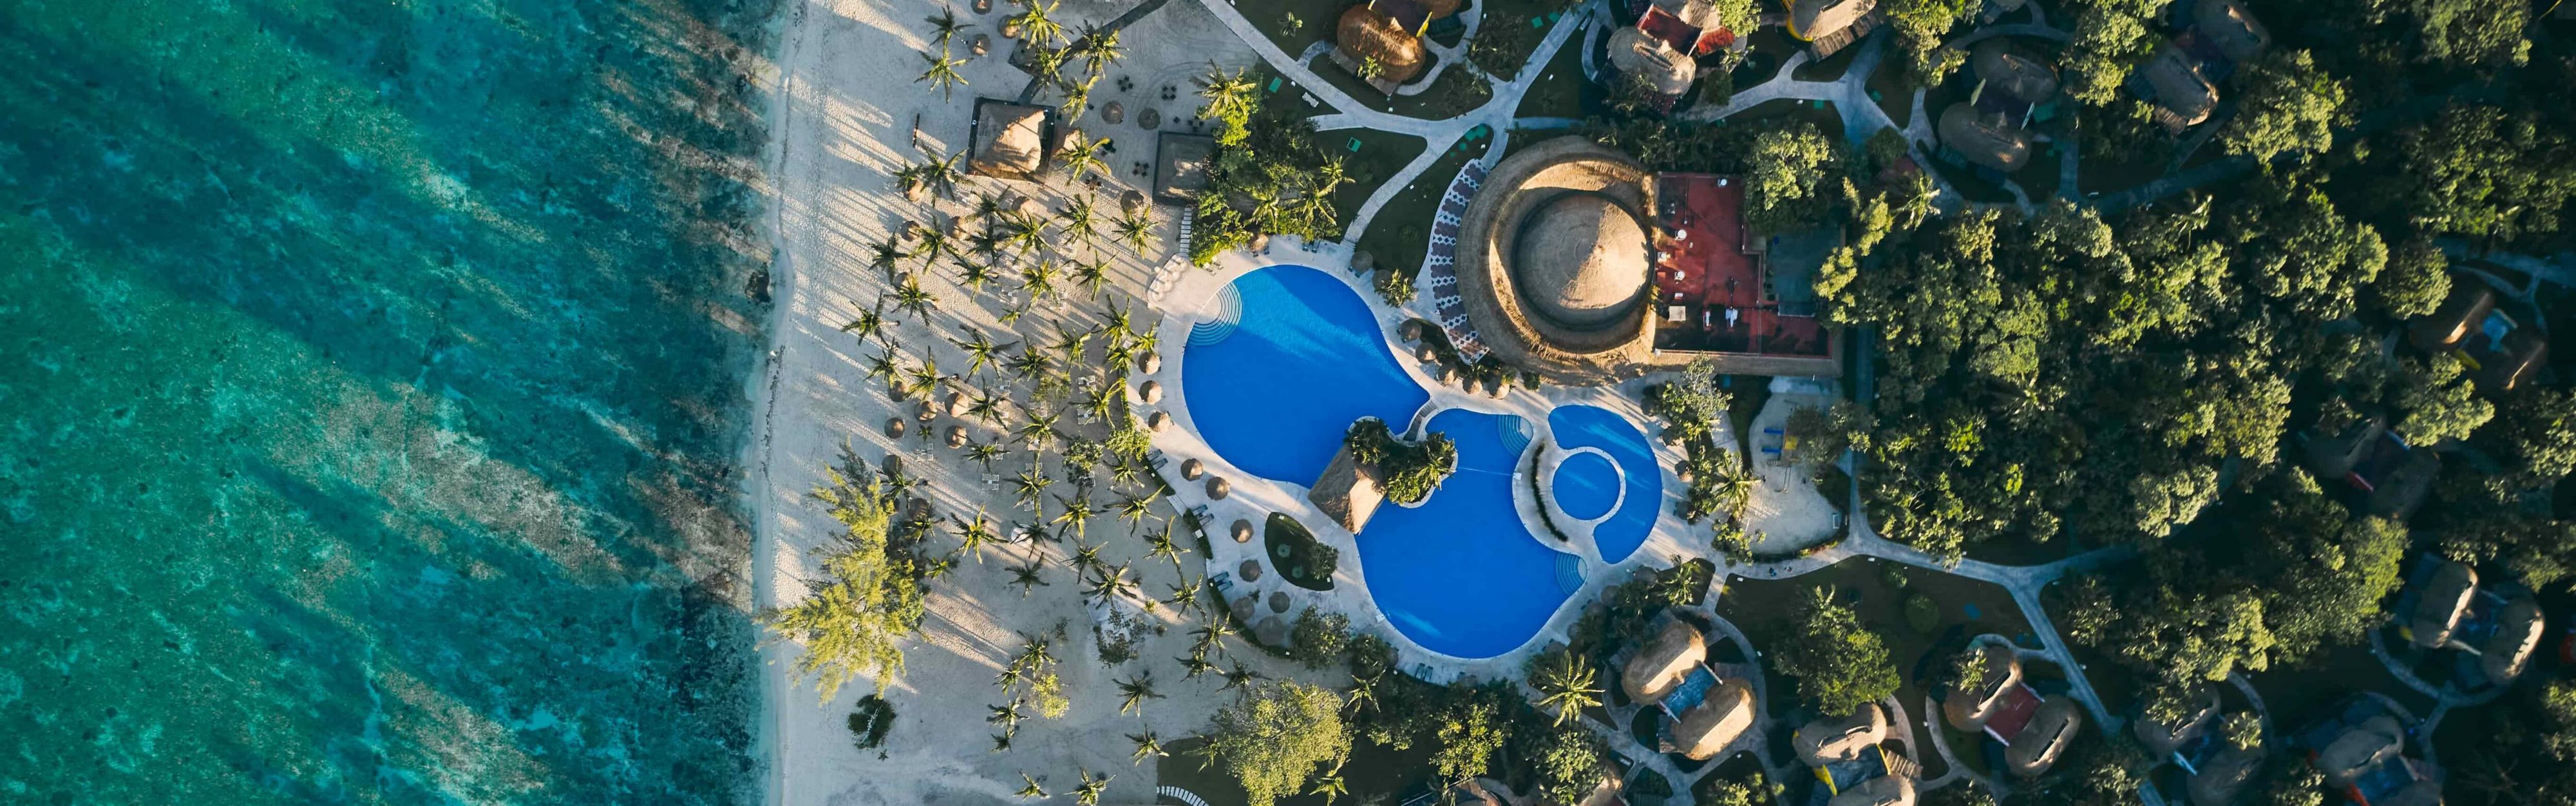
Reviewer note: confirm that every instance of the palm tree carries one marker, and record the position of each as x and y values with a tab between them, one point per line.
1227	94
1113	583
1008	716
1069	342
1147	746
1098	48
871	322
1026	233
1088	794
886	365
1134	509
943	73
1214	632
945	27
1037	25
1031	486
986	407
975	274
910	298
1032	791
1733	486
944	173
987	205
1081	154
1029	577
972	535
1194	665
1569	686
1103	400
926	377
979	351
1159	543
1137	230
1185	596
1031	363
986	453
1077	95
1092	274
1038	279
1331	785
1134	691
1080	220
1083	559
1002	741
1238	676
933	245
887	254
1038	432
1076	514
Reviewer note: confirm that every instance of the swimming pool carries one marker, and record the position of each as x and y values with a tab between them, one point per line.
1274	382
1586	486
1595	427
1461	574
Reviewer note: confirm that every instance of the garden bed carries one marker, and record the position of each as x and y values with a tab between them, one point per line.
1300	559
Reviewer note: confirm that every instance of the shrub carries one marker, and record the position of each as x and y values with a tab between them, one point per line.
1317	640
1408	472
869	721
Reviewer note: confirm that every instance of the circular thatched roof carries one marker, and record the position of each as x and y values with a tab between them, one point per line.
1159	422
1279	601
1580	259
1984	139
957	404
1364	33
893	463
1113	113
1150	391
1149	363
1191	468
894	427
956	436
1272	631
1217	488
1242	532
1250	571
924	412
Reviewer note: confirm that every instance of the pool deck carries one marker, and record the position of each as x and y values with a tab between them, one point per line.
1187	296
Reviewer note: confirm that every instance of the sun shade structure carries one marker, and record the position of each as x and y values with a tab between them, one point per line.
2445	599
1347	491
1826	741
2162	739
2183	96
1984	138
1660	667
1010	140
1829	25
1968	707
1637	53
2050	730
2222	777
2013	73
2360	749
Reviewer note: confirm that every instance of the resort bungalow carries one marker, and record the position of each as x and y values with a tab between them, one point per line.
2164	740
1830	25
1885	790
2445	598
1387	33
1663	68
1348	491
2222	776
2039	743
2002	68
1984	138
1709	727
1010	140
1826	741
2501	353
2227	27
2360	749
2173	82
2507	650
1661	666
1181	164
1969	707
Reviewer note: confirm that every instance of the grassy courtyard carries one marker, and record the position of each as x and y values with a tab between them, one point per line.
1402	230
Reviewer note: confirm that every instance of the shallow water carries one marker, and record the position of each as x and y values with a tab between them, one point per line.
372	385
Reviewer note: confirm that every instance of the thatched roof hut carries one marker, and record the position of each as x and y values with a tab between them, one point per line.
2227	25
1657	668
2012	72
1271	632
1641	54
1010	139
1347	491
2051	729
1581	260
1885	790
2444	600
1279	601
1824	741
1968	707
2222	777
2184	97
1149	362
2517	633
1716	721
1811	20
925	412
1217	488
956	404
1984	138
2361	748
1365	33
2162	739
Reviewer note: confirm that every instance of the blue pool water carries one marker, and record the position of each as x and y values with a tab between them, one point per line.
1274	391
1460	574
1593	427
1585	486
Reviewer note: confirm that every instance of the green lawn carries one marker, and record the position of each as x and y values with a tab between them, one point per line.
1827	120
1380	155
1561	90
1316	18
1397	238
1764	609
2039	177
1372	772
1894	98
1833	67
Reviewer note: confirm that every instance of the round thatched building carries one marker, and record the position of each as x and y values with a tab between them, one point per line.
1554	260
1367	33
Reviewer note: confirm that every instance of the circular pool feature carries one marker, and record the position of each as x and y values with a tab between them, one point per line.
1586	486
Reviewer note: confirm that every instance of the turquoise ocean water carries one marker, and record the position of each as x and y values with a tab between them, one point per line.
371	384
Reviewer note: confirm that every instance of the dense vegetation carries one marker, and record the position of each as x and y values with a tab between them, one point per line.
1408	472
851	621
1839	663
1269	176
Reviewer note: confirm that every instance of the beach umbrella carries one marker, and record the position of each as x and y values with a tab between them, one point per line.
1250	571
924	412
1131	201
893	463
1149	363
956	404
1115	113
894	427
1150	391
1279	601
1412	330
982	43
1159	422
1217	488
1191	468
1150	119
1271	631
956	436
1242	531
1425	354
1244	603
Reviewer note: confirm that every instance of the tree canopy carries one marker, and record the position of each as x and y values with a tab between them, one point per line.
851	621
1840	664
1277	737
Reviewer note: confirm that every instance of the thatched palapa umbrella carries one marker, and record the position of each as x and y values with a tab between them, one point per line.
1271	632
1159	422
1191	468
1150	391
1250	571
956	404
1114	113
1150	119
1412	330
894	428
1279	601
956	436
924	412
1243	532
1425	354
1131	201
1149	363
982	43
1217	488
